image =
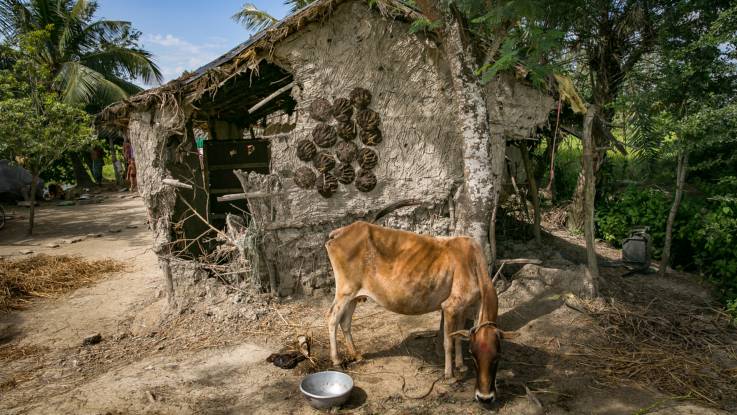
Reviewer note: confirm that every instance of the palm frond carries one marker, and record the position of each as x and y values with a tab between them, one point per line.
124	62
14	18
79	85
254	19
298	4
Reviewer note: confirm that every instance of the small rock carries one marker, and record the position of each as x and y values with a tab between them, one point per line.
149	367
132	226
114	230
170	366
93	339
94	235
73	240
25	252
52	245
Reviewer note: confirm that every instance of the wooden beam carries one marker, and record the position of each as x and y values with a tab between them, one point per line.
533	261
177	183
268	99
244	196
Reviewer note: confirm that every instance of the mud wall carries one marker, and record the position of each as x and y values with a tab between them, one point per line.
420	155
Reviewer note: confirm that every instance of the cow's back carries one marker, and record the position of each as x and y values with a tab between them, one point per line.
403	271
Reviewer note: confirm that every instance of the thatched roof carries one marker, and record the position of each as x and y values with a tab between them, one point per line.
243	58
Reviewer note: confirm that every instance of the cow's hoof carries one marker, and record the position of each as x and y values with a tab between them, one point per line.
452	380
462	369
337	363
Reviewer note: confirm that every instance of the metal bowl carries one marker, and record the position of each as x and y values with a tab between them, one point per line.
326	389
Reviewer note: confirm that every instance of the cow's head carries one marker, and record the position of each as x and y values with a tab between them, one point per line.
485	341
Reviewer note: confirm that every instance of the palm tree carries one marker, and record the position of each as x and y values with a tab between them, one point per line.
256	20
91	61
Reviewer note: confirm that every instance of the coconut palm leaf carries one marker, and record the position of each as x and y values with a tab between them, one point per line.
130	63
298	4
78	83
254	19
89	59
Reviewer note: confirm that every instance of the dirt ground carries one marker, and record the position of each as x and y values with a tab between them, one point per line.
211	359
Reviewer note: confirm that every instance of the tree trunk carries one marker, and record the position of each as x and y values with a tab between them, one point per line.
81	176
589	194
32	199
680	180
482	174
533	191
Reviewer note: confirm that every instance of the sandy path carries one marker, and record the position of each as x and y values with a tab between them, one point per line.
102	308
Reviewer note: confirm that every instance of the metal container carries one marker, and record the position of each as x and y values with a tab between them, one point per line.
636	250
326	389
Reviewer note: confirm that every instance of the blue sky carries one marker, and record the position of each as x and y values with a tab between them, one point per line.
186	34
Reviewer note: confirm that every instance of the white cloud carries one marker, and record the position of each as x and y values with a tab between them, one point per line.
175	55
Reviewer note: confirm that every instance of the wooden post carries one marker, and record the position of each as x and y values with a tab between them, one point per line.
533	190
680	180
589	194
168	280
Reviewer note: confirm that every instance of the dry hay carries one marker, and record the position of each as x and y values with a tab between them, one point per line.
680	349
48	276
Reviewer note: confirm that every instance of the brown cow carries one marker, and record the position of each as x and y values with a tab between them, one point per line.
415	274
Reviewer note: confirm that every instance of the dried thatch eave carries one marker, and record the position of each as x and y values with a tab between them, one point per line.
207	80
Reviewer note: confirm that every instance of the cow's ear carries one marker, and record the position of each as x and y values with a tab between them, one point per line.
508	335
463	333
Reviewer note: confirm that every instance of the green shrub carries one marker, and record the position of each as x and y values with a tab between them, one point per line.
705	231
715	243
633	208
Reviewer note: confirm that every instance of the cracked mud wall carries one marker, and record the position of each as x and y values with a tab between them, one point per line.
419	157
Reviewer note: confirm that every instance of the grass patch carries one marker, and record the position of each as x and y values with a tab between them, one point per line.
48	276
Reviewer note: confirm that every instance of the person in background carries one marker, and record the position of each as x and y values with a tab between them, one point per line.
130	161
98	160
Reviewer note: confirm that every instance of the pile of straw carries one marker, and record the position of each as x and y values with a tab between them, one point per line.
47	276
677	348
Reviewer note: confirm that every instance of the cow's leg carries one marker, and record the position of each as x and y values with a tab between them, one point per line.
345	325
450	315
460	367
334	317
439	339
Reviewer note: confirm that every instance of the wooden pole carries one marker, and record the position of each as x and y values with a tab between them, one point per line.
533	191
268	99
589	194
680	180
177	183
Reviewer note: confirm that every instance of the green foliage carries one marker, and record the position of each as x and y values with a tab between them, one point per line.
92	62
424	25
252	18
36	126
526	45
705	236
532	34
713	236
634	208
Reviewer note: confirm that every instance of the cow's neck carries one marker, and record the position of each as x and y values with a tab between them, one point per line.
489	308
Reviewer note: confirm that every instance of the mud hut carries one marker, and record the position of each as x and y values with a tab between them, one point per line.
336	113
